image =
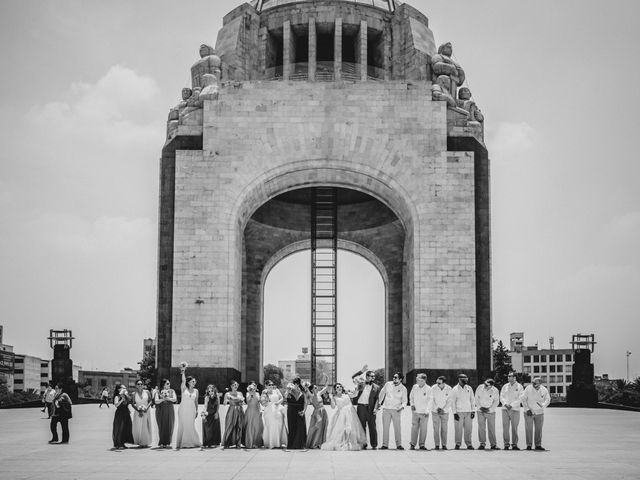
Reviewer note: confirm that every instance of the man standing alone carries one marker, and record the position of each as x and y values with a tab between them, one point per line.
535	399
393	398
487	399
463	406
440	394
510	398
420	399
61	414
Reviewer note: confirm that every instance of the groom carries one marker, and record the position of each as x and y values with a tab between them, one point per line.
366	402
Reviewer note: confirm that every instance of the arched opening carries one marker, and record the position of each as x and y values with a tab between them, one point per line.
287	318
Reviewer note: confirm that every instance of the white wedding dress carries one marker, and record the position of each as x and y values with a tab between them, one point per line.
345	431
274	434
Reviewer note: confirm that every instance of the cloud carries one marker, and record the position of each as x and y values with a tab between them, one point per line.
508	141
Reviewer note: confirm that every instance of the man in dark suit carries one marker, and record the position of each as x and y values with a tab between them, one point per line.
61	414
366	402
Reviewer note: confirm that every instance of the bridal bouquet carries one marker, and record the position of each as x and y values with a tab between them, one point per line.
183	366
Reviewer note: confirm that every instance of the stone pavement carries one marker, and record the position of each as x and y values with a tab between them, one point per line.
582	443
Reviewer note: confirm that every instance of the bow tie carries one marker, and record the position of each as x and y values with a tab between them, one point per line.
367	383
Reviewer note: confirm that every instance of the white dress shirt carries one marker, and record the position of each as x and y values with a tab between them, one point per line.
510	395
487	398
440	398
364	398
535	399
420	398
393	397
462	399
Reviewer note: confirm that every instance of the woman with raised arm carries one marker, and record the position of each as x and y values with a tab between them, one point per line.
253	427
164	399
122	428
234	421
187	412
296	406
141	416
317	433
275	431
211	436
345	431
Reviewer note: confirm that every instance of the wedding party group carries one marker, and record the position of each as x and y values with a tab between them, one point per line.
274	420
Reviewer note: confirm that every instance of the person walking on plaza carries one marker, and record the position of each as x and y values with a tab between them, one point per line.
393	398
535	399
104	397
47	398
234	421
60	413
510	397
187	412
165	399
211	433
141	416
122	428
440	406
420	400
463	406
365	398
487	399
253	427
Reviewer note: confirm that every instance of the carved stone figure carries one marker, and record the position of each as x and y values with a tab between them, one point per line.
440	90
465	102
174	113
209	63
443	64
194	107
210	88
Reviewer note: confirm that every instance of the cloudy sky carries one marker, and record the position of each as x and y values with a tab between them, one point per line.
84	93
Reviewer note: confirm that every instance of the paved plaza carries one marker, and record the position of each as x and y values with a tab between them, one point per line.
582	443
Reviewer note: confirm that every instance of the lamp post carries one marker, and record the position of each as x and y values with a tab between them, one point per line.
628	355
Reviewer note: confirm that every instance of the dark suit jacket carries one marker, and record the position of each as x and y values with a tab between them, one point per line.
62	406
373	396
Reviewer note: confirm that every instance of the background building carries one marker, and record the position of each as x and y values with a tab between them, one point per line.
303	365
30	373
288	368
91	382
7	359
148	347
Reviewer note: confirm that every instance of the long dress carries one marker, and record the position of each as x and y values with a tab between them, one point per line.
297	438
141	420
345	431
211	423
122	425
187	435
317	433
166	417
253	422
275	431
234	421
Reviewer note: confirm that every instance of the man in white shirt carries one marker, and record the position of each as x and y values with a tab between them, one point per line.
510	398
463	406
420	399
487	399
440	394
535	399
393	398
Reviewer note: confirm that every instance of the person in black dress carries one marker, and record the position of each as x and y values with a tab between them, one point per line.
122	427
211	436
296	406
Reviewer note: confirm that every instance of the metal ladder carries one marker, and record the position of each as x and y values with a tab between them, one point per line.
324	260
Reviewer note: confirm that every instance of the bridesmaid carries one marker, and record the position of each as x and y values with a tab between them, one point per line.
234	421
121	420
164	399
275	431
253	427
296	406
141	416
187	412
211	418
317	433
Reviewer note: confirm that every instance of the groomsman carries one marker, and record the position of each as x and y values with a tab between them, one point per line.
463	406
366	401
420	399
393	398
440	406
487	399
510	398
535	399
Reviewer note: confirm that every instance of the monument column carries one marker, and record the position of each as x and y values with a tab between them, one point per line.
313	40
337	49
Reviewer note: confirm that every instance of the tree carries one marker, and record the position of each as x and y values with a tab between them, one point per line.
635	384
380	380
501	364
273	373
147	372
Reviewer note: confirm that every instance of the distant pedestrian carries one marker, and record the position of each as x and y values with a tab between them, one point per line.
510	398
165	414
122	428
487	399
47	398
463	405
535	399
61	413
104	397
440	407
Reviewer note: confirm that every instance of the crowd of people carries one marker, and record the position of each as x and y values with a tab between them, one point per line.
273	420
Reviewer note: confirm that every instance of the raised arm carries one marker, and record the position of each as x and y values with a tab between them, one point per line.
183	384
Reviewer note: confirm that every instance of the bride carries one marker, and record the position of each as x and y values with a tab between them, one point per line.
345	431
274	434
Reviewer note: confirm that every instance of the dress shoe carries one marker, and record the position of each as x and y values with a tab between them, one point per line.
515	447
399	447
457	447
481	447
494	447
528	447
506	447
470	447
540	448
412	447
437	447
444	447
383	447
423	448
52	441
